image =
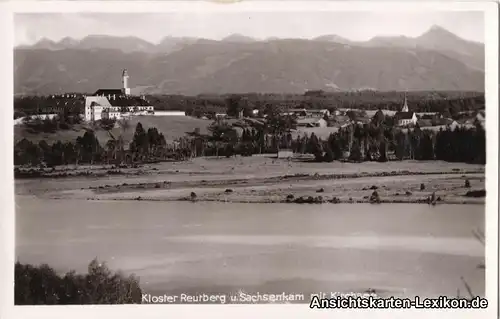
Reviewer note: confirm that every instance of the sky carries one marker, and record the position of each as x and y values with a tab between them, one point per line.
358	26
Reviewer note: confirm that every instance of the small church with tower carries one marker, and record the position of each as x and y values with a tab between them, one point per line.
405	117
115	103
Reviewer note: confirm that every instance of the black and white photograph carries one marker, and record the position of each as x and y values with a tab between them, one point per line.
233	156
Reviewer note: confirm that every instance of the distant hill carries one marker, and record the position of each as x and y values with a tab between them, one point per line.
437	60
94	42
333	38
238	38
441	40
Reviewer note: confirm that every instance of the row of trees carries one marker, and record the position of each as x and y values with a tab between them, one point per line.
379	140
443	102
65	120
452	102
354	143
145	146
379	144
32	105
41	285
376	141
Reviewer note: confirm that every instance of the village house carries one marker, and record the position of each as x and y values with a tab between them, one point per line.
312	122
480	116
446	121
220	115
170	113
115	103
318	113
306	112
295	112
362	121
405	117
453	125
424	123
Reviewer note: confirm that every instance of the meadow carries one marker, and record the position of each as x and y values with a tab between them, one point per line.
172	127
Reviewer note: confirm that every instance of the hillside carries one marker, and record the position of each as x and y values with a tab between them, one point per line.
437	60
172	127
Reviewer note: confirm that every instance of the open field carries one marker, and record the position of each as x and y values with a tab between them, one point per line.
172	128
263	180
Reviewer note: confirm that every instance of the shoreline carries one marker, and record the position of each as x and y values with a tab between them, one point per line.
264	201
253	180
124	187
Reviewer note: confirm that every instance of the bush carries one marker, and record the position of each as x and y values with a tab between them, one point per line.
467	183
477	193
328	157
375	198
40	285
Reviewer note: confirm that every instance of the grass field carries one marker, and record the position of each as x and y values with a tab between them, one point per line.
263	179
172	127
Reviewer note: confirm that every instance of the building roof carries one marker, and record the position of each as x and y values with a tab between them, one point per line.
310	120
117	101
465	121
317	111
405	115
128	101
447	121
341	118
424	123
363	120
107	92
100	100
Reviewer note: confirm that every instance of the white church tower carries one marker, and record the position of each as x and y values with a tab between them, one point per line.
125	88
405	105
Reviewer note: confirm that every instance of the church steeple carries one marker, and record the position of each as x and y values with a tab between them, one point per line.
405	105
125	88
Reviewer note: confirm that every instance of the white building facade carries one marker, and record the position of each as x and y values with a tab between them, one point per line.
406	117
115	103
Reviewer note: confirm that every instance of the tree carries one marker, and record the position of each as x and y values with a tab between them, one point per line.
329	156
378	118
107	124
222	134
89	148
234	105
352	115
355	154
315	147
41	285
399	150
279	125
140	142
27	153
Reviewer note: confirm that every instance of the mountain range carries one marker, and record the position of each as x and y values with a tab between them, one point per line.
435	60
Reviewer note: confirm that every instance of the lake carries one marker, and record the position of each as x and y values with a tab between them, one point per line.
183	247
